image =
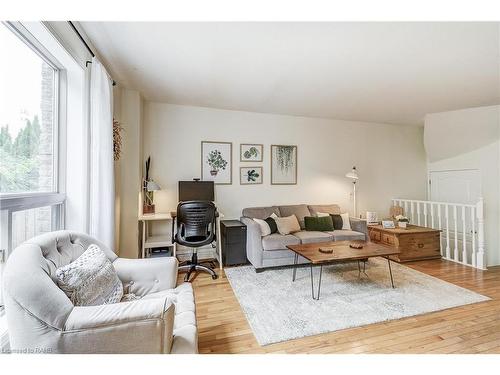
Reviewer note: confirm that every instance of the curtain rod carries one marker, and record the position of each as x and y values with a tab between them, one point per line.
86	46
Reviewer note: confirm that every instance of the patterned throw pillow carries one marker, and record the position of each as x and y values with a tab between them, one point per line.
91	279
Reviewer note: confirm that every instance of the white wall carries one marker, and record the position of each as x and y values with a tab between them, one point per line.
128	111
390	159
469	139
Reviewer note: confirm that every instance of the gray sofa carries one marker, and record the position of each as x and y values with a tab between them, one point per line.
271	251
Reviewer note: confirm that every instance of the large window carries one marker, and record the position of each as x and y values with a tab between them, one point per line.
27	118
30	195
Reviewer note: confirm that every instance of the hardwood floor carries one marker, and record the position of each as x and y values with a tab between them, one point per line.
474	328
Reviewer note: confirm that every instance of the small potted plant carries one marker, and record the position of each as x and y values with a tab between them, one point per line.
402	221
216	162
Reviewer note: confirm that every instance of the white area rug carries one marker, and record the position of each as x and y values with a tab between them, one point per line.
279	309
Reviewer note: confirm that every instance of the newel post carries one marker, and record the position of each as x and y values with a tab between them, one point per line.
480	260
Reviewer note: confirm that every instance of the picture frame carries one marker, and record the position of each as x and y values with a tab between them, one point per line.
251	152
251	175
217	162
388	224
284	164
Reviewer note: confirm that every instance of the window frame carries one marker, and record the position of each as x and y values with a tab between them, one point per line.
56	198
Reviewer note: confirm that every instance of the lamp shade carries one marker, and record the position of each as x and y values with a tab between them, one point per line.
353	174
152	186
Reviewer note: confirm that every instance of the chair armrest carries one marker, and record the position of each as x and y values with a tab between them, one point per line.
359	225
145	276
91	317
254	242
142	326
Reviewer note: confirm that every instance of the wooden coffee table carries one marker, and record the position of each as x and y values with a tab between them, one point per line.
342	252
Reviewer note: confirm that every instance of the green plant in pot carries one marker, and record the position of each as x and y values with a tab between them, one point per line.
216	162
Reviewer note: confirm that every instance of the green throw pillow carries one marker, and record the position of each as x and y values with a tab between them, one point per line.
322	224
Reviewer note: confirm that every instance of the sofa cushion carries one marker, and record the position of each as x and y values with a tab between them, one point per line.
260	212
346	223
277	241
314	223
331	209
299	210
347	235
265	229
313	236
287	225
272	223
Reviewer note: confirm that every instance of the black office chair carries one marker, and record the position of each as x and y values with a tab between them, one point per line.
196	225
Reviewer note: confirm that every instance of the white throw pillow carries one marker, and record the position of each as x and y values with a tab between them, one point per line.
287	225
346	223
91	279
265	230
322	214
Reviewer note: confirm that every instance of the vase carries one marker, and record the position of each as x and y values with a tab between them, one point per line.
214	173
148	209
402	224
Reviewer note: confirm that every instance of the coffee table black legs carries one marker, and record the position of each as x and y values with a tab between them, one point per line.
319	284
390	271
315	296
295	260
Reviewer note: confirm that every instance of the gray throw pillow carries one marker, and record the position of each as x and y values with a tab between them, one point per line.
91	279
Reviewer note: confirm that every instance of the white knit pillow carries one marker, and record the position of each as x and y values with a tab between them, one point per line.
265	230
91	279
287	225
346	223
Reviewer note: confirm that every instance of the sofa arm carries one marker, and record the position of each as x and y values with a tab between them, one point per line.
359	225
254	242
145	276
141	326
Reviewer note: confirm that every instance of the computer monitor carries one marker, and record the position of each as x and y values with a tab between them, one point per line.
196	191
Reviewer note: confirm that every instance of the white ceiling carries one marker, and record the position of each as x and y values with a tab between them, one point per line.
380	72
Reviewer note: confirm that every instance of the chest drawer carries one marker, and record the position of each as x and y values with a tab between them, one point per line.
375	235
388	239
421	243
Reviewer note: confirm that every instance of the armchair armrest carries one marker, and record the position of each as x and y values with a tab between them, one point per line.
254	242
101	316
359	225
142	326
145	276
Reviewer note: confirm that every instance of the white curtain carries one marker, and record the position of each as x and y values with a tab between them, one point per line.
102	184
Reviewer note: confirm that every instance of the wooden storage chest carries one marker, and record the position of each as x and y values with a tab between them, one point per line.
414	242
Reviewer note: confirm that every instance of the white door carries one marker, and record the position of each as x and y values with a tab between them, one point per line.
461	186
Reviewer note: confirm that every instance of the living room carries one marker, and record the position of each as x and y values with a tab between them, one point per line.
262	187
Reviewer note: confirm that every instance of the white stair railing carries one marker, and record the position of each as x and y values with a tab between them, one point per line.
461	225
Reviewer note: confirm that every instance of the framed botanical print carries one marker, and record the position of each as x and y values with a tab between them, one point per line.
251	152
283	165
217	162
250	175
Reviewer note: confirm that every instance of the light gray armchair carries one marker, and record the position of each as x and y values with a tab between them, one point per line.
41	318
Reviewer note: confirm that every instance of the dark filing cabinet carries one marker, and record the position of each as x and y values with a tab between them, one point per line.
233	242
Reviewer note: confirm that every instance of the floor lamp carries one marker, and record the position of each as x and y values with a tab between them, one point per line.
353	175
